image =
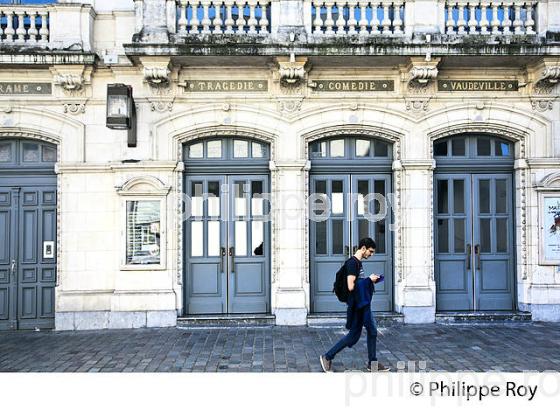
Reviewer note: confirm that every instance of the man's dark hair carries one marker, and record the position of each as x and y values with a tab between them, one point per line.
367	242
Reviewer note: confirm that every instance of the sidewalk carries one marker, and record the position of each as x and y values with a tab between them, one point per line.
476	347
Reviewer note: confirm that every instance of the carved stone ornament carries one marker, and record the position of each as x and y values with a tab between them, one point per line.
542	105
417	106
422	71
547	80
75	108
70	82
291	72
157	76
162	106
289	107
72	79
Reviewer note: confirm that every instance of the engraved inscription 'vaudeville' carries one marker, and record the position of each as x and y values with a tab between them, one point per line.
225	85
478	85
353	85
25	88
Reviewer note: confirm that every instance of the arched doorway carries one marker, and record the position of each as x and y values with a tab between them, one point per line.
27	233
474	223
350	178
227	233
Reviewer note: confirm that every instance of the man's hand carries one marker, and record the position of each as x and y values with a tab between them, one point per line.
374	278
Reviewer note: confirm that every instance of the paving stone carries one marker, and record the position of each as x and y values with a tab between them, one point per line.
501	347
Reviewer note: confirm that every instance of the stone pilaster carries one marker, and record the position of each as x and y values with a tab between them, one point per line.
416	292
290	281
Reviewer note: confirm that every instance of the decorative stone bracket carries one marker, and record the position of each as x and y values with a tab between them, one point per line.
545	76
72	79
292	72
156	71
422	71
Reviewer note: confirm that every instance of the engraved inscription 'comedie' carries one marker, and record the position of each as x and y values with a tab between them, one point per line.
353	85
226	85
478	85
25	88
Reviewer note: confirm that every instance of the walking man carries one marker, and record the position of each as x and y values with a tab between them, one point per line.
359	315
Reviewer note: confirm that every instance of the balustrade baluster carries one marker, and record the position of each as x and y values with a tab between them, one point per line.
450	24
506	22
517	23
182	23
32	32
217	22
529	23
397	21
263	22
329	22
374	20
20	32
352	22
340	22
386	22
472	18
461	20
195	22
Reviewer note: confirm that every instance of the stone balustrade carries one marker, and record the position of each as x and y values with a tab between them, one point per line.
319	20
24	25
490	17
54	26
223	17
352	17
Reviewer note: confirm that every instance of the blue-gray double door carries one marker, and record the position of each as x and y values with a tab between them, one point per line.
227	244
353	213
27	252
474	250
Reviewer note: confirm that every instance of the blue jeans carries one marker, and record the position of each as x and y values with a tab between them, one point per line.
362	318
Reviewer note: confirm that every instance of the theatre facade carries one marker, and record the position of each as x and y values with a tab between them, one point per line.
169	160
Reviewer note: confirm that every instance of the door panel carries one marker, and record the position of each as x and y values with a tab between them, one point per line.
330	238
370	218
8	285
453	244
493	238
249	245
36	269
205	240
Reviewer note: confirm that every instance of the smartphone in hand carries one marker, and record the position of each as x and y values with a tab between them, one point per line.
381	278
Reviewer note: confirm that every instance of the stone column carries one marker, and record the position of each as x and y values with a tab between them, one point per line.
416	290
290	281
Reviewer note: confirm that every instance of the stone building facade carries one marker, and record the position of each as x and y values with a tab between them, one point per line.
447	109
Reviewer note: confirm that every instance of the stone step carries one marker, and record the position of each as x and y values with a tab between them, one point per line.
383	319
482	317
225	320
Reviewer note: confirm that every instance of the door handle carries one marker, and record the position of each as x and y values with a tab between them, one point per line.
222	255
469	256
346	250
354	249
477	253
13	269
232	254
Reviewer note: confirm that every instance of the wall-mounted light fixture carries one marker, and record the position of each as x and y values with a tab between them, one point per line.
121	111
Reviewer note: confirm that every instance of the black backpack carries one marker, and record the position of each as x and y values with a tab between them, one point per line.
340	285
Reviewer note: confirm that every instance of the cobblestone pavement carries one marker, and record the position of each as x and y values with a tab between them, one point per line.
474	347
